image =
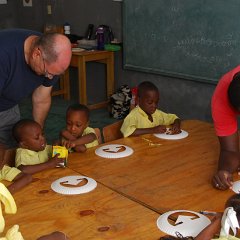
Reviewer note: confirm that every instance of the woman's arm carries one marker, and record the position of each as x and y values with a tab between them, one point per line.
228	161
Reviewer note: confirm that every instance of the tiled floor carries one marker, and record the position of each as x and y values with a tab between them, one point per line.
56	117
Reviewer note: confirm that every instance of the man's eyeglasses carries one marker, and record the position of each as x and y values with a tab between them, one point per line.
46	73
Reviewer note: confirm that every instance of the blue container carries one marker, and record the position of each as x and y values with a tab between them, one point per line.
100	38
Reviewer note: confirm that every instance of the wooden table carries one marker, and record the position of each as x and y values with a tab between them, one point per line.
99	214
79	60
175	175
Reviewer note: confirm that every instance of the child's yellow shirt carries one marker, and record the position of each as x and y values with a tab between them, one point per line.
86	131
137	118
29	157
8	173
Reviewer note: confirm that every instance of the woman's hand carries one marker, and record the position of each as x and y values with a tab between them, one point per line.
222	180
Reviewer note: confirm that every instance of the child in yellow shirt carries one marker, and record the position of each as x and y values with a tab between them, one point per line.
78	135
12	174
33	154
145	118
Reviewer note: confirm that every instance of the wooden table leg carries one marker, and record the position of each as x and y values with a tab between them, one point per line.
66	85
82	80
110	74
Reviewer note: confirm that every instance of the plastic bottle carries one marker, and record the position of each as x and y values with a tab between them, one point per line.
133	103
100	38
67	29
89	31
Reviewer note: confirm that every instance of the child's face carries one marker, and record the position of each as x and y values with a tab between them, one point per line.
148	101
77	121
33	138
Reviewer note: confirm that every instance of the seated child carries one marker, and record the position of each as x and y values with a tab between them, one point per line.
13	174
146	118
77	134
32	154
214	227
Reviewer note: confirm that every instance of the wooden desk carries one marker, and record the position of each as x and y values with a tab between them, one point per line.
79	60
174	175
99	214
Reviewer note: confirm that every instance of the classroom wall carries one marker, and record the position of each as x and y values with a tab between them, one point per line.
188	99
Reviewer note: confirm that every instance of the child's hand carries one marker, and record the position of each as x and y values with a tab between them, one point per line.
160	129
55	161
175	129
80	148
68	144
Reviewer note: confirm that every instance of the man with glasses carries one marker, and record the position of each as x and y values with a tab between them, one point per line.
30	63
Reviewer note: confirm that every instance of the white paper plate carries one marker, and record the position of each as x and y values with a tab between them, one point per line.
186	225
114	151
69	185
236	187
165	135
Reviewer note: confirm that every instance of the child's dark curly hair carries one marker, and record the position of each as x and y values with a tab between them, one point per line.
234	201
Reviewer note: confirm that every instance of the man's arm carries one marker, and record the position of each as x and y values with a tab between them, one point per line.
41	101
228	161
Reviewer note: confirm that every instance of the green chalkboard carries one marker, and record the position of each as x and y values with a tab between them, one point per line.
191	39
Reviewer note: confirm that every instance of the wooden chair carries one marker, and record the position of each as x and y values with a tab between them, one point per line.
98	134
112	131
7	156
63	88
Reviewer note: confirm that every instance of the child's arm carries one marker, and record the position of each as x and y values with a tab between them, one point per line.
79	143
67	135
20	181
88	138
51	163
54	236
212	229
141	131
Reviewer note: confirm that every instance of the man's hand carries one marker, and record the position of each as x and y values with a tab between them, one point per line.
222	180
